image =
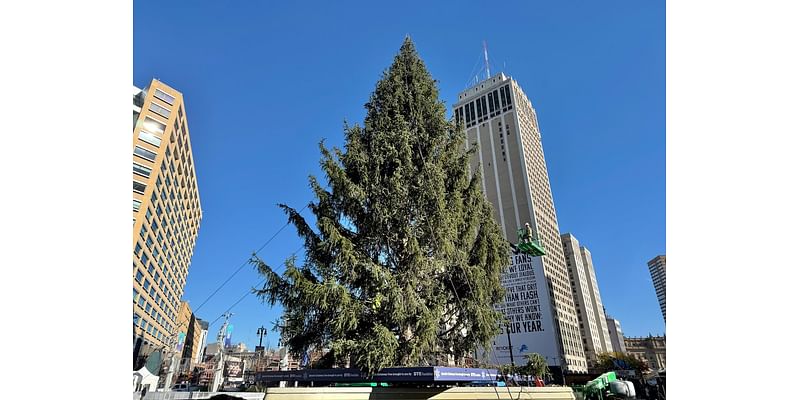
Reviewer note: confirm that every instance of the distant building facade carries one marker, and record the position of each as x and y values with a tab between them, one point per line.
191	330
651	349
597	302
212	349
588	304
616	335
658	272
237	348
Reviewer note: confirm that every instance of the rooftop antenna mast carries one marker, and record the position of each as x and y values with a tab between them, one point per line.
486	59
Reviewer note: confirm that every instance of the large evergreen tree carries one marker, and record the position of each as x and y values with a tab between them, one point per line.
404	265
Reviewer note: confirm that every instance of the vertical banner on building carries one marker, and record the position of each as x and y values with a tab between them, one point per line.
228	335
181	339
528	314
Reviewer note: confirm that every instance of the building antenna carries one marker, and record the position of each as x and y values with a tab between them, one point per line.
486	59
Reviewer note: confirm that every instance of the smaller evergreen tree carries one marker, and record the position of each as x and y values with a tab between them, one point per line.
535	365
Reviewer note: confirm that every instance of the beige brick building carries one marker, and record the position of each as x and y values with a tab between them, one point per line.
499	117
166	215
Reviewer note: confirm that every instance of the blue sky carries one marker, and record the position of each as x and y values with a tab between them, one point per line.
264	83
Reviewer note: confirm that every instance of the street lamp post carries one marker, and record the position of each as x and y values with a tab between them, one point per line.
261	332
510	347
510	351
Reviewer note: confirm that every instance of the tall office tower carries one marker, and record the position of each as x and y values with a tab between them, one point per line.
658	271
166	216
582	291
615	332
539	304
597	302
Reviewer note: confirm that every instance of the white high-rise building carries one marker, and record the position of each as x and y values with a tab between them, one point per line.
597	302
584	285
617	337
658	271
539	305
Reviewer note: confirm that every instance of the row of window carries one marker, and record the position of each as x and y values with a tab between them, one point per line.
158	109
154	126
163	243
147	327
172	170
157	257
151	129
502	139
158	302
156	230
150	138
150	288
142	170
163	96
485	107
181	226
144	153
139	187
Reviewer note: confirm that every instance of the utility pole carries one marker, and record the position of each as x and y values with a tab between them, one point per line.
510	353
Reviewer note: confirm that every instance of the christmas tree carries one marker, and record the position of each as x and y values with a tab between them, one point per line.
403	268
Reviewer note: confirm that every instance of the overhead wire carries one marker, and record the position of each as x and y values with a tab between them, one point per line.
250	291
176	330
246	262
471	76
